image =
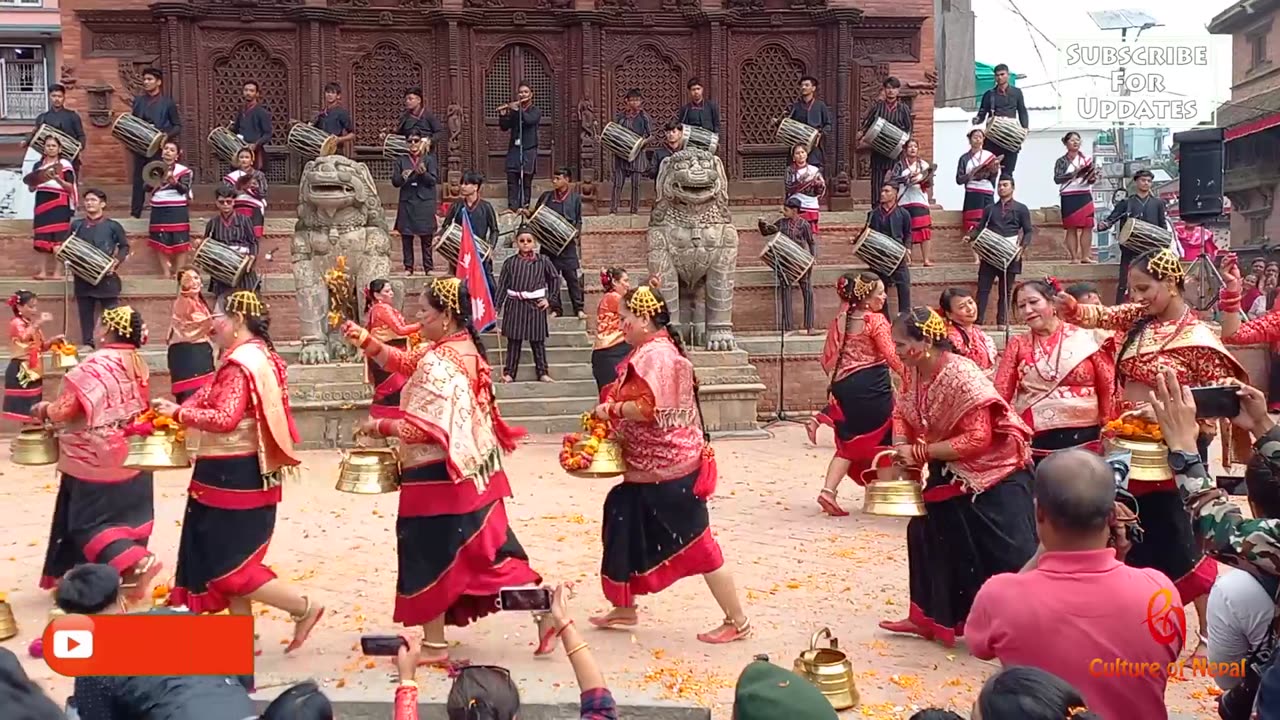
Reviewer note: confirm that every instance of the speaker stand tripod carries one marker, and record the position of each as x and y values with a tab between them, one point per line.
783	295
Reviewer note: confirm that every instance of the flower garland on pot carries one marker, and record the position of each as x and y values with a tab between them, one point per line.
594	432
153	423
1132	427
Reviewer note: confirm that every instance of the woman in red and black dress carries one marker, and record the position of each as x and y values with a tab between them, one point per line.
387	326
250	186
104	512
53	181
455	548
858	357
1075	190
657	529
190	354
980	518
977	172
246	447
23	379
610	347
914	177
966	335
170	227
1056	375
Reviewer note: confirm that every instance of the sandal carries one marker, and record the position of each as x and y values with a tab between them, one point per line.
811	427
546	638
721	635
827	501
303	624
610	622
144	571
906	627
442	649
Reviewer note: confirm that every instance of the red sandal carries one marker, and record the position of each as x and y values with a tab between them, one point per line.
728	632
827	500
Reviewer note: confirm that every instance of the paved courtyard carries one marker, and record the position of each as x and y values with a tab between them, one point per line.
797	569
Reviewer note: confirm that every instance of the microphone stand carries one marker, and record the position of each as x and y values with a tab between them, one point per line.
524	201
782	291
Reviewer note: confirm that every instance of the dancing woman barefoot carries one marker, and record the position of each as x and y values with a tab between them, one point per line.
656	526
455	548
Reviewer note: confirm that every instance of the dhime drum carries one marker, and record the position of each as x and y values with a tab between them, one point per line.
226	144
1006	132
695	136
995	249
450	243
886	138
311	142
552	230
787	258
1141	237
622	142
394	146
87	262
793	132
138	135
70	146
222	262
880	252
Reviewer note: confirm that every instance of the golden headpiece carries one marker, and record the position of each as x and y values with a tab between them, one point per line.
1165	264
119	319
246	303
448	289
862	288
933	328
644	303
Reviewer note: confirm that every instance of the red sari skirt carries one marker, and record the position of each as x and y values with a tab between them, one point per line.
99	522
386	388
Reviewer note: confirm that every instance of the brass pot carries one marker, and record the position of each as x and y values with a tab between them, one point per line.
1149	461
65	362
8	625
34	446
157	451
606	463
829	670
369	471
894	491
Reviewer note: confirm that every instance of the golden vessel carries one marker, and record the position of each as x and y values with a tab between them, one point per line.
8	625
34	446
161	450
66	360
1149	461
369	471
891	494
606	463
829	670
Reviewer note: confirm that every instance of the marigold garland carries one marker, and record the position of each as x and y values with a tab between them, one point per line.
594	432
63	348
153	423
1129	427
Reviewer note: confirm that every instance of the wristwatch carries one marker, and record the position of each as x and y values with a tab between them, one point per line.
1181	461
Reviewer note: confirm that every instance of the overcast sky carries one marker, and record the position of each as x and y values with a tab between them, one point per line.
1032	46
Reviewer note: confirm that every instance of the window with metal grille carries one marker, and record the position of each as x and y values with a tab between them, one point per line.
278	169
380	168
763	167
23	80
1257	227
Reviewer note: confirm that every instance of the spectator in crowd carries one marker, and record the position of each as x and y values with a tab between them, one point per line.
486	692
95	590
1096	606
768	692
1085	293
934	714
304	701
21	699
1024	693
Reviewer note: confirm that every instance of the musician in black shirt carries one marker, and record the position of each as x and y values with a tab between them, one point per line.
1003	100
889	218
417	117
674	135
59	117
335	119
635	119
813	112
253	124
563	199
1007	218
484	220
699	112
109	237
161	111
1143	206
892	110
521	118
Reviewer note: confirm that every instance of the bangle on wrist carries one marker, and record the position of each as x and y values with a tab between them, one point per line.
384	427
578	648
615	411
564	627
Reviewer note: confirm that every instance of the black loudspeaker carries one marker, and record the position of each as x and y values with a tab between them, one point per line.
1200	161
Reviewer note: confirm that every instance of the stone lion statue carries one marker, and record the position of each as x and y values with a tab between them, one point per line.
339	215
692	239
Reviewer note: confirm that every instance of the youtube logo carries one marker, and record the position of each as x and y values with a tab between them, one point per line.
73	644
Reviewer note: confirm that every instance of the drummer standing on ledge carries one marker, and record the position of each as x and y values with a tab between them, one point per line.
1003	100
699	112
813	112
335	119
635	119
521	119
893	220
253	124
563	199
108	236
161	111
1143	206
1007	218
896	113
59	117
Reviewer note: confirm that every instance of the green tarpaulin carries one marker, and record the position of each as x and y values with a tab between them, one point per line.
986	76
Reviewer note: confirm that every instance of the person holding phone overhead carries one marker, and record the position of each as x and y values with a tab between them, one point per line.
1160	331
1264	329
454	544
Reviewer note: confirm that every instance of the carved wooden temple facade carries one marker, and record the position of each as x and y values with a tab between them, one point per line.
579	56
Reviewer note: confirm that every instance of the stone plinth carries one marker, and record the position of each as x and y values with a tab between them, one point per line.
729	389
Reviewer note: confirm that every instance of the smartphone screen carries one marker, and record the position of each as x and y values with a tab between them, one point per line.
381	645
525	599
1219	401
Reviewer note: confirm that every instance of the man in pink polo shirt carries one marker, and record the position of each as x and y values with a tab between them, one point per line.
1110	630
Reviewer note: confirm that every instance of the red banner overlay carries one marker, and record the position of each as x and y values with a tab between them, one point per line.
150	644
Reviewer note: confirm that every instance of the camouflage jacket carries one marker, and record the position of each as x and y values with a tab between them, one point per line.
1251	545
